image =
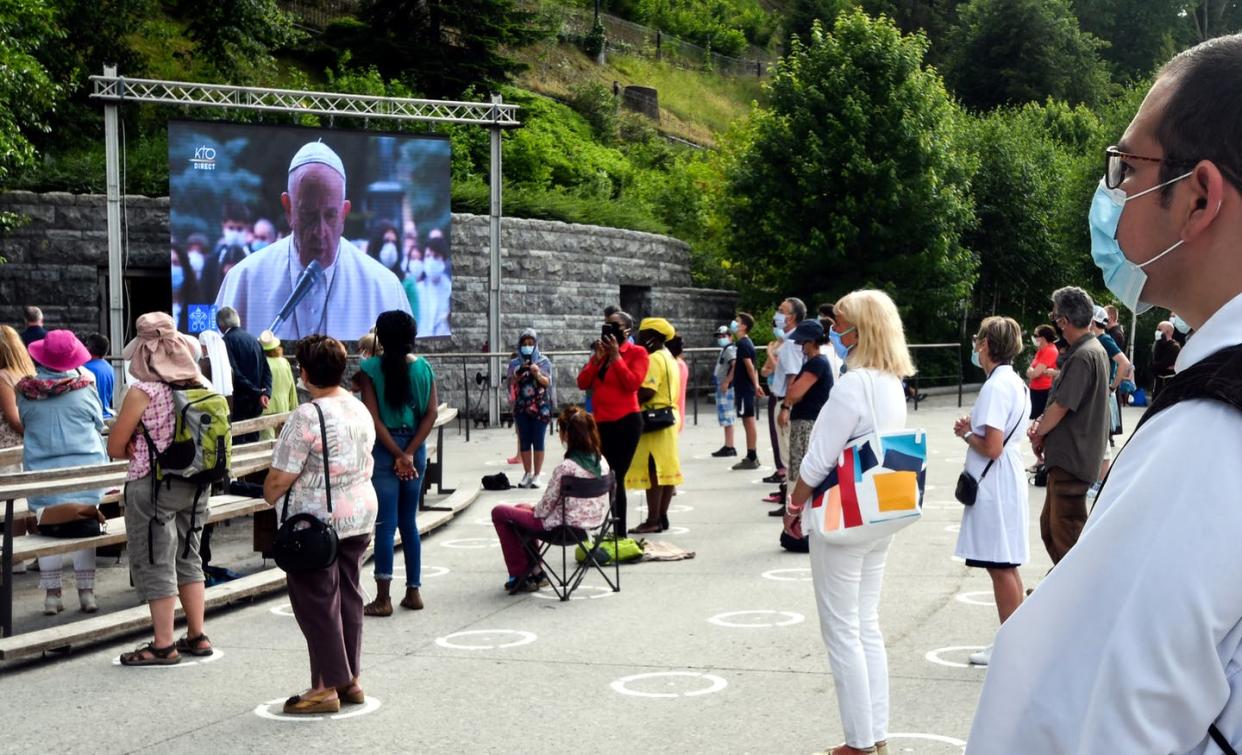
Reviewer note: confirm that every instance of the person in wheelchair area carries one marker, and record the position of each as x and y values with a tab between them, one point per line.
583	459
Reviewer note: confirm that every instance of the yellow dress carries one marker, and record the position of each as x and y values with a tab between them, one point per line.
663	377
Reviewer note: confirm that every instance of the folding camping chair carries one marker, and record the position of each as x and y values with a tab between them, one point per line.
564	581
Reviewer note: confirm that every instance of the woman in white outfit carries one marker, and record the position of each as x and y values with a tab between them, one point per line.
994	530
848	578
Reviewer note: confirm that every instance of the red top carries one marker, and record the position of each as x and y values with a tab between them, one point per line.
616	395
1047	356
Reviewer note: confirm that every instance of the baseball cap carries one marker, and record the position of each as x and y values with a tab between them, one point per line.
1100	316
807	330
723	330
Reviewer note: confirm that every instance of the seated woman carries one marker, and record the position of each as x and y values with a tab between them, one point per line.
580	437
61	419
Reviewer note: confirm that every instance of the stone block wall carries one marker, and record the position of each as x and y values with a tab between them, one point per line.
555	277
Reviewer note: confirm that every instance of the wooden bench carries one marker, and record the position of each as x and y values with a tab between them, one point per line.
247	458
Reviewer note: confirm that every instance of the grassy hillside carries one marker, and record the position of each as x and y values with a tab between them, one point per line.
694	105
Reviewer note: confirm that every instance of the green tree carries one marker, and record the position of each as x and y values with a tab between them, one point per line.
1212	18
934	18
1141	34
238	38
1007	52
853	175
439	47
27	93
803	14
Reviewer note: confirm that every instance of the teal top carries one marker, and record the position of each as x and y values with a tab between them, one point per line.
421	380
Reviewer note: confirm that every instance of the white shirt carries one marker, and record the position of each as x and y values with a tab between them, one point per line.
997	527
789	361
434	304
344	304
1133	644
846	415
834	361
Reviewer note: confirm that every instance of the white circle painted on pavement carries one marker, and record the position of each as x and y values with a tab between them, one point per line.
797	574
762	619
675	531
602	592
434	571
273	710
680	508
284	609
523	638
935	655
715	684
467	543
953	528
980	598
187	660
951	741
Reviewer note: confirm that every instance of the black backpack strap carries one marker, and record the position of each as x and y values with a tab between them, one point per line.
1220	741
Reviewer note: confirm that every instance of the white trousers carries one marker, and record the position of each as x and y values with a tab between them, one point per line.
847	581
83	569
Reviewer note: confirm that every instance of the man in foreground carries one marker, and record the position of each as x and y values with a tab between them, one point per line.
1132	643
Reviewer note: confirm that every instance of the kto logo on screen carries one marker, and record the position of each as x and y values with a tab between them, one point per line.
204	158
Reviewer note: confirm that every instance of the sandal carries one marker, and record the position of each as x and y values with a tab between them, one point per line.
412	599
150	655
194	645
306	704
645	528
378	608
351	694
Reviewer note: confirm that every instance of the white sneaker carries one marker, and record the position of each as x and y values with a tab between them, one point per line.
536	481
87	599
982	657
52	605
525	483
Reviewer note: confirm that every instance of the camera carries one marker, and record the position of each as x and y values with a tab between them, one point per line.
611	329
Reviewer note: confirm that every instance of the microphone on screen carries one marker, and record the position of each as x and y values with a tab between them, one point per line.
309	277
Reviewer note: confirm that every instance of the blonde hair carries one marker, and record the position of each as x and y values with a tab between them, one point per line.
13	354
881	337
369	346
1003	336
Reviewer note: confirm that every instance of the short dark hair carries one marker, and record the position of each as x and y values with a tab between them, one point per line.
235	211
611	310
1046	332
675	346
97	344
323	358
581	432
746	319
825	310
1202	119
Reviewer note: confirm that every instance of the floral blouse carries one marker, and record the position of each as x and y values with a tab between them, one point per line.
299	450
585	513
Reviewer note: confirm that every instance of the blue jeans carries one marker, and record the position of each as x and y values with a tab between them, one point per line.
398	509
532	431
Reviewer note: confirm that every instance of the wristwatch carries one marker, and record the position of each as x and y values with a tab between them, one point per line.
786	407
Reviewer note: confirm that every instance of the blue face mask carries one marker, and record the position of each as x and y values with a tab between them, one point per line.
778	321
733	327
527	350
178	277
835	338
722	342
974	359
1125	279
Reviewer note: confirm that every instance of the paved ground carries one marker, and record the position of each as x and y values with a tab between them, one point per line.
717	654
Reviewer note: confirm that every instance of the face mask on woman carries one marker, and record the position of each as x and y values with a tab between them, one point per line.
527	350
434	268
722	342
388	254
835	338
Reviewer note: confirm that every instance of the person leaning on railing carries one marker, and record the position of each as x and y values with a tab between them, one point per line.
164	559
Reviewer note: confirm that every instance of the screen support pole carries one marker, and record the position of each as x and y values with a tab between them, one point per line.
493	277
116	273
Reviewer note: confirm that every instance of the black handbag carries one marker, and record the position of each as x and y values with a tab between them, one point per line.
967	486
659	419
304	543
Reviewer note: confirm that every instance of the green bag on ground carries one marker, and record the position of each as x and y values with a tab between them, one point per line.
626	549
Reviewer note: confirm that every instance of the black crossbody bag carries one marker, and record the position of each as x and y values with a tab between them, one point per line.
658	419
304	543
967	486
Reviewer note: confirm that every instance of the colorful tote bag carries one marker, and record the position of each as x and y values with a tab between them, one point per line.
876	487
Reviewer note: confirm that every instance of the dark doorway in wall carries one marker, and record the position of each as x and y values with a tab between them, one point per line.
636	300
146	290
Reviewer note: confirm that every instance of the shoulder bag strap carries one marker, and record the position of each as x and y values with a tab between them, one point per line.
1220	740
1006	443
323	432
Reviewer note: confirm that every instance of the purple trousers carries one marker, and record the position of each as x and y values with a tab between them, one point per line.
327	604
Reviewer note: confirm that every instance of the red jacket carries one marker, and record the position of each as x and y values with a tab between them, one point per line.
616	395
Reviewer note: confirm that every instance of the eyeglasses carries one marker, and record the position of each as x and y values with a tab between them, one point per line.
1117	169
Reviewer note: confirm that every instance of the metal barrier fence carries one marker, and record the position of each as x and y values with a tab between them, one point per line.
644	41
456	373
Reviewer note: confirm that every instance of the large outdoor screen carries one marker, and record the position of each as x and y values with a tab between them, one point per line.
308	230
